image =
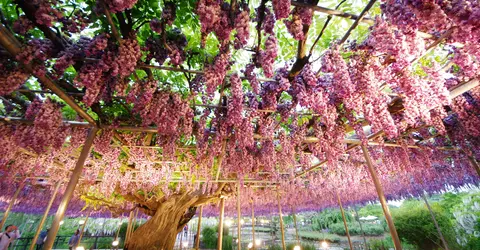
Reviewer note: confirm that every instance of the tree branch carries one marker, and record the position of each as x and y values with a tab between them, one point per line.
29	8
323	29
125	28
302	59
115	33
357	21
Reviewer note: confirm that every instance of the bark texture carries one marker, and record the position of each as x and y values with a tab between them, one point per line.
169	216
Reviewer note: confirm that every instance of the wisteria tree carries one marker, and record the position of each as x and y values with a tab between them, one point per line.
192	98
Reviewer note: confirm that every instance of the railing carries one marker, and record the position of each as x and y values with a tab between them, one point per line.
61	242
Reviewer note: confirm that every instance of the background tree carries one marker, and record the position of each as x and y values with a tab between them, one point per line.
414	224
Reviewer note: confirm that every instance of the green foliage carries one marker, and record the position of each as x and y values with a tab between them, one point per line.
386	244
473	243
227	242
123	229
328	217
450	200
209	237
415	225
354	229
263	229
466	212
288	220
374	210
303	246
274	247
316	236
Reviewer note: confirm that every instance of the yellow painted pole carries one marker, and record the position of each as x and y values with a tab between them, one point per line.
239	217
67	196
220	224
10	205
253	225
45	215
344	221
295	223
383	201
83	229
282	230
199	226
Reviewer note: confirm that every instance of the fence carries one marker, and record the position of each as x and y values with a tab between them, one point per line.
61	242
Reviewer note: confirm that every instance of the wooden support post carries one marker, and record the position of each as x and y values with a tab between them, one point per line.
253	225
181	239
284	247
134	221
474	164
119	227
45	215
129	225
361	227
239	218
273	232
296	227
116	235
344	221
199	226
435	222
10	205
220	224
83	229
383	201
67	196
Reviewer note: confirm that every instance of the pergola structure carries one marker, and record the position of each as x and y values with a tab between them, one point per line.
310	129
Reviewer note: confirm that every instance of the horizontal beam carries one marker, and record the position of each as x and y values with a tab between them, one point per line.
253	181
342	14
463	87
349	148
8	119
332	12
309	139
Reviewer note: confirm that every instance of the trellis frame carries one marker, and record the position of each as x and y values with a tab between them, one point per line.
13	46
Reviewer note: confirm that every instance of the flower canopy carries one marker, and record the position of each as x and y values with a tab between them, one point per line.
273	97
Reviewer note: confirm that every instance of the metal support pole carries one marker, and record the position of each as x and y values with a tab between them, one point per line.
295	223
239	217
197	240
83	229
383	201
67	196
220	224
45	215
10	205
344	221
281	222
361	227
253	226
435	222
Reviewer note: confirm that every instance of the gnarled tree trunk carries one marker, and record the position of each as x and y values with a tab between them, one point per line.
169	216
